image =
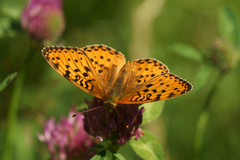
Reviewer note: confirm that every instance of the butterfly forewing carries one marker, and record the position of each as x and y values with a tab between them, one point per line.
106	61
74	65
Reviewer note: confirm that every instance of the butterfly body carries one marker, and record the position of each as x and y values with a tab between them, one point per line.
109	106
102	72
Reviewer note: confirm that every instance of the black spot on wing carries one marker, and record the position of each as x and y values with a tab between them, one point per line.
158	97
145	90
149	85
67	66
76	70
88	84
171	95
77	78
87	69
85	74
148	96
66	75
56	65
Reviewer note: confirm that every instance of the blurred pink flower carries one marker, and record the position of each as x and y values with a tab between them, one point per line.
67	139
106	125
44	19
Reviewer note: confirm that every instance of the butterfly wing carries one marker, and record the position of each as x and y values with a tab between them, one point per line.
74	65
78	66
107	62
152	82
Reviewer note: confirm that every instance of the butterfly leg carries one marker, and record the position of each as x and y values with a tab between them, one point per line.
121	118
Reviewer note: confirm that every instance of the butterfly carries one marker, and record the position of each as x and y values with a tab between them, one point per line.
104	73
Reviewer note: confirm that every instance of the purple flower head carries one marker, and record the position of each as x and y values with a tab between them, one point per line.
43	19
67	139
112	126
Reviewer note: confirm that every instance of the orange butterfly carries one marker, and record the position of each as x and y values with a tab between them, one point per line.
102	72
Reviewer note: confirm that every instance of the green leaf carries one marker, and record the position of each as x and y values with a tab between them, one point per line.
201	77
148	147
100	156
229	25
97	147
187	51
7	80
11	10
152	111
118	156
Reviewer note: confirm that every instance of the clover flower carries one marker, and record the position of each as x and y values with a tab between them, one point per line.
224	55
116	128
67	139
43	19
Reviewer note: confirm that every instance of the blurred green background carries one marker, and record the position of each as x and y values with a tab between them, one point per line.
139	29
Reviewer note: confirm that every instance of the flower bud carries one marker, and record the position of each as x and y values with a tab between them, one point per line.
43	19
224	55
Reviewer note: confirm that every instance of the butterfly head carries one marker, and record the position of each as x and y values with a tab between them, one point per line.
109	106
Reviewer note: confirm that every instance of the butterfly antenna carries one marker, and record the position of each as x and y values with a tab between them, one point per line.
121	118
88	110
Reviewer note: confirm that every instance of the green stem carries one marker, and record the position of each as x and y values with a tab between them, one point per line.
113	147
14	104
203	118
113	157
